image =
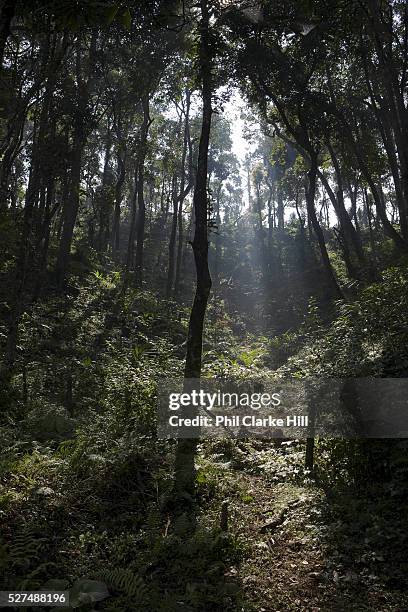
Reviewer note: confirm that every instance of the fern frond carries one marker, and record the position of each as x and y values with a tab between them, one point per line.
127	582
25	547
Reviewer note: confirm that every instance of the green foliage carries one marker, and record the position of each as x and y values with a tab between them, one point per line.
89	13
251	357
107	281
21	560
367	338
85	592
125	581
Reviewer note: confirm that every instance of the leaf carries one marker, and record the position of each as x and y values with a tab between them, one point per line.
138	350
87	591
126	19
201	478
111	13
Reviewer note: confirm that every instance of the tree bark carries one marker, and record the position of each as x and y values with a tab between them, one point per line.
104	198
71	206
25	250
186	146
381	30
121	174
141	213
311	211
389	229
131	240
184	461
345	230
172	241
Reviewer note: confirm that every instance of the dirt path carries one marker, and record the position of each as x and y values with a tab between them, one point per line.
296	545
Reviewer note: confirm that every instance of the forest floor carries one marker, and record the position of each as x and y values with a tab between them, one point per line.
305	550
83	477
291	544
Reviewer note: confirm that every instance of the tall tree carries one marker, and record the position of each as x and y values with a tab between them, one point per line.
184	461
85	77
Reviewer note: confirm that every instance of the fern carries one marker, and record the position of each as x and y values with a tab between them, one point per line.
20	560
25	547
32	580
66	449
127	582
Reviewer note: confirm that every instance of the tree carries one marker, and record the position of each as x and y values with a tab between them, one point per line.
184	462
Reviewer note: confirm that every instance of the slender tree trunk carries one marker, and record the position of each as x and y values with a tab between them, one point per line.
280	209
389	229
184	461
381	209
381	31
132	230
71	205
217	254
165	206
104	199
350	233
44	239
345	230
121	169
141	213
172	241
370	226
312	400
180	250
186	145
260	238
175	218
311	211
25	253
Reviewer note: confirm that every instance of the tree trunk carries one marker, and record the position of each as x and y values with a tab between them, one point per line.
184	461
186	145
217	254
311	211
280	209
141	213
104	198
389	229
172	241
260	238
342	215
121	170
71	205
381	30
370	226
131	240
50	210
25	251
350	233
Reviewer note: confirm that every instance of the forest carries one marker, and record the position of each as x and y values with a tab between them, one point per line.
211	190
